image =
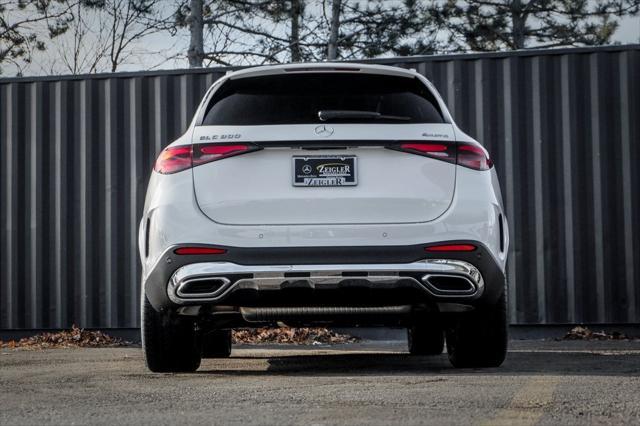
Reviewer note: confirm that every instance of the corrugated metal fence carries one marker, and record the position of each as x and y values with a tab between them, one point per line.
563	127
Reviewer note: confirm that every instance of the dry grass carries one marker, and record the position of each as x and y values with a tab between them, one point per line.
296	336
74	338
584	333
79	338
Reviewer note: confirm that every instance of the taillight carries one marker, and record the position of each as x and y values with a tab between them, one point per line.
450	247
461	153
178	158
474	157
441	150
199	250
206	153
173	159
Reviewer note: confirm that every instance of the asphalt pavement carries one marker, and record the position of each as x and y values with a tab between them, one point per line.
542	382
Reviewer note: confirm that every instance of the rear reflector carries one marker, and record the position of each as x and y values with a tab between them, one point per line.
199	250
451	247
177	158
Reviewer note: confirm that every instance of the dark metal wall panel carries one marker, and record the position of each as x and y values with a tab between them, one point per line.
561	125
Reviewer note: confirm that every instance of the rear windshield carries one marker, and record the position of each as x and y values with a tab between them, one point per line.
297	99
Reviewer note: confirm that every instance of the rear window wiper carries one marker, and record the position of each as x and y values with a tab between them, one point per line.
334	114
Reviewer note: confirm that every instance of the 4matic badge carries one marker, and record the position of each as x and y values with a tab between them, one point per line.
435	135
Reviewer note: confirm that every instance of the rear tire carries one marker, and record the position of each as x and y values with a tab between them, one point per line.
426	338
169	343
216	344
479	338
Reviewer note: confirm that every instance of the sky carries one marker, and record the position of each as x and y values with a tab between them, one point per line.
629	30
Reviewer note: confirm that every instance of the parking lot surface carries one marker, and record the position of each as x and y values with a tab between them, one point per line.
371	383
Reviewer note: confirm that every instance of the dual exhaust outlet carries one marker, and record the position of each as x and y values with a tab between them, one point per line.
439	285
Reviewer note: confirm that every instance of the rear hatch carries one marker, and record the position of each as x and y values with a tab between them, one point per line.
337	170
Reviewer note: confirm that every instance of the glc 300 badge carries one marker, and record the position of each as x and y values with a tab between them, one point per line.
324	131
221	137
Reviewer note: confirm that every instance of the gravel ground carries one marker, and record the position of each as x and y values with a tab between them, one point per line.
368	383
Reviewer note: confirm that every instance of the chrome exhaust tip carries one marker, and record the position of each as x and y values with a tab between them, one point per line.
204	287
449	285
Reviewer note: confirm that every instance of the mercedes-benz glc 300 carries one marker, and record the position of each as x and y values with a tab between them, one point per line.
323	194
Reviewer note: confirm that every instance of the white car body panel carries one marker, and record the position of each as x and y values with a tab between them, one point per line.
391	185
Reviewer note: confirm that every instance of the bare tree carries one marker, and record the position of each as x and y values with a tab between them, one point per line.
230	31
366	29
26	24
334	30
518	24
85	45
295	15
355	29
267	31
194	20
103	35
130	22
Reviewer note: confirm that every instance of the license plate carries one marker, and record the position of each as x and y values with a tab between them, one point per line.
324	171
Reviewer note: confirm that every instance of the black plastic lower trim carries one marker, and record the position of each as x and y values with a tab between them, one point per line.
169	262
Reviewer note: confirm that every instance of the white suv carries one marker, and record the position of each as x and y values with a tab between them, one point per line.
334	194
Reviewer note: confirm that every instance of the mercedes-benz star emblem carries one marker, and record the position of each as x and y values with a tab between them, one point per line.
324	131
306	169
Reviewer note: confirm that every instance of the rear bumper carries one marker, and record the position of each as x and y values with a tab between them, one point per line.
325	276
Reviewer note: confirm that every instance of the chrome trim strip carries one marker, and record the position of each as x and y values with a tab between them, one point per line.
271	276
266	283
